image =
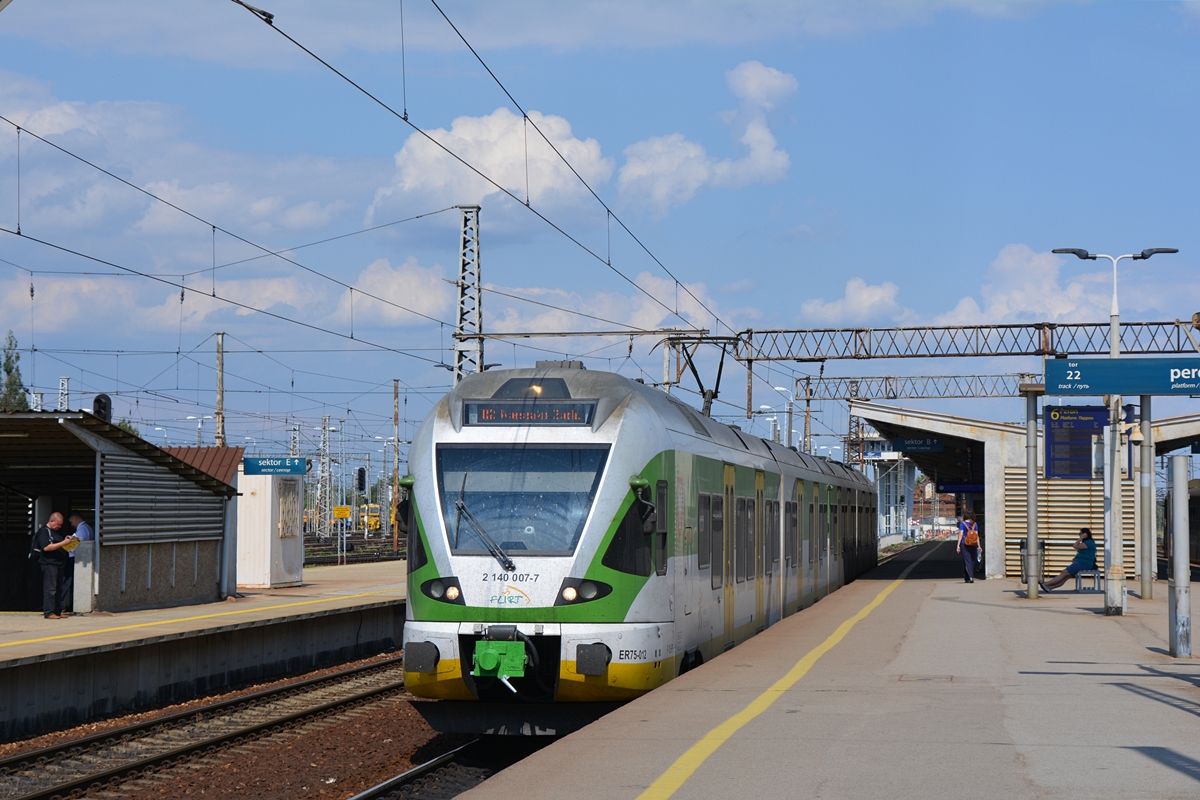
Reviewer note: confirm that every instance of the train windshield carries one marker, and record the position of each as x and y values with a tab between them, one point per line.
530	500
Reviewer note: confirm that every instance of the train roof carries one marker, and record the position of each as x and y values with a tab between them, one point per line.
570	379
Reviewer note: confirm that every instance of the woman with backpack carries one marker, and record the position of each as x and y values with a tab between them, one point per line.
968	544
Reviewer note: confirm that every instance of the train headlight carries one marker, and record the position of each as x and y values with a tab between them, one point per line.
578	590
444	590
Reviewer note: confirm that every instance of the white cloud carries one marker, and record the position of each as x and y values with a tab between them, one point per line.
410	285
861	304
505	149
1022	285
665	171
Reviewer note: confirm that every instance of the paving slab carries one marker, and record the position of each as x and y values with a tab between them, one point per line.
944	690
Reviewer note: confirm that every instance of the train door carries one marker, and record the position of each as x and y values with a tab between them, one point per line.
729	520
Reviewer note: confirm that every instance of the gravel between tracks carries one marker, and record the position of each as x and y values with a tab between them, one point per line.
334	757
109	723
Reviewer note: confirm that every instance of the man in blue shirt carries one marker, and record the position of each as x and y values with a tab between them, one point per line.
1085	559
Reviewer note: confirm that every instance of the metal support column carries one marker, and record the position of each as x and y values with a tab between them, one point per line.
1114	578
1179	606
396	465
63	393
1033	553
468	323
1148	505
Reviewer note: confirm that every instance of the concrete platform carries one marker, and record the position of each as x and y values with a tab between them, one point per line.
61	672
941	689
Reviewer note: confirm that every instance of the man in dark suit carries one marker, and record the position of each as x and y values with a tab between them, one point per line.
48	543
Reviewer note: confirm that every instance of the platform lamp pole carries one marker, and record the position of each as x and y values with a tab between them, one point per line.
1148	504
1033	554
1179	601
1114	579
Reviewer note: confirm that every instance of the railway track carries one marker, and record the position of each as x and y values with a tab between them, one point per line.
458	771
94	761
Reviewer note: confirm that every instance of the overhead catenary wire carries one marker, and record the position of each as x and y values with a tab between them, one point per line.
266	251
575	172
227	300
420	131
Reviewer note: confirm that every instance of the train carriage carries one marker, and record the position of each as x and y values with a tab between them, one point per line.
577	536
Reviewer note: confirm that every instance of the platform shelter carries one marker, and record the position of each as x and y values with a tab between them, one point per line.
984	462
161	523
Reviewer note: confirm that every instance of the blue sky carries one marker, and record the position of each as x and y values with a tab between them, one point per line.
794	164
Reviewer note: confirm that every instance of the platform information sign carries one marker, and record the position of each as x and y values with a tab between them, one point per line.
274	465
923	444
1069	440
1100	376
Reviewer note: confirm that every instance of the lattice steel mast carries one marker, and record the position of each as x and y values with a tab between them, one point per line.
468	323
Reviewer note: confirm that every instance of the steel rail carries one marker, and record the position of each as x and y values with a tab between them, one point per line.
42	758
381	790
146	725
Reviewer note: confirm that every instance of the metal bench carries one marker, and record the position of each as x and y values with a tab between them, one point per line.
1097	581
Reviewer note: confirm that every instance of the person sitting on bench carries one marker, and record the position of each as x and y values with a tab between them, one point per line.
1085	559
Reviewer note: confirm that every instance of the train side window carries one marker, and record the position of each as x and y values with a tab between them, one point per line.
751	537
768	531
703	530
417	557
823	530
661	528
629	550
718	541
789	520
775	529
812	519
739	544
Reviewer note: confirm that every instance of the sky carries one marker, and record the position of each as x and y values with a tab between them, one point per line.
721	166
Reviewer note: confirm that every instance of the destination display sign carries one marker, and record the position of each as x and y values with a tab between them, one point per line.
924	444
1099	376
528	412
274	465
1069	434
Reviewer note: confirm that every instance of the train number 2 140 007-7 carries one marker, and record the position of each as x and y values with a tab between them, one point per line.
510	577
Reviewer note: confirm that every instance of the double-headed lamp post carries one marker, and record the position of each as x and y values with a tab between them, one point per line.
791	402
1114	579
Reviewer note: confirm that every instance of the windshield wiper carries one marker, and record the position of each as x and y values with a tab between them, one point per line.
463	512
493	548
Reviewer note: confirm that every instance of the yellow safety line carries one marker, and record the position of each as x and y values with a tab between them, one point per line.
199	616
677	774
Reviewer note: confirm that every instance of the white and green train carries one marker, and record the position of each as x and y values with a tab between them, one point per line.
578	536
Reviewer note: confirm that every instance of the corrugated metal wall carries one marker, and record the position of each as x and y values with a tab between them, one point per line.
142	502
1064	506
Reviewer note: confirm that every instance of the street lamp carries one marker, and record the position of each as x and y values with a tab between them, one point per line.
774	421
830	448
791	398
200	428
1114	582
164	432
251	439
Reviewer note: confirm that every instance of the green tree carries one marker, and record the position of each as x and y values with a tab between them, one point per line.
128	427
12	391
